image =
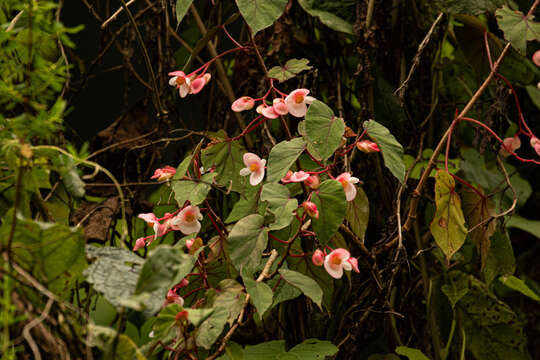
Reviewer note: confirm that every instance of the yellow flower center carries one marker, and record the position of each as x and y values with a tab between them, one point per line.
189	217
299	98
335	260
253	167
344	183
180	81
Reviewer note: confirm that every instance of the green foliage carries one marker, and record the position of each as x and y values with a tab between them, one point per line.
411	354
282	157
330	201
517	284
261	14
517	28
357	213
327	18
247	240
448	225
182	7
323	130
310	349
305	284
288	71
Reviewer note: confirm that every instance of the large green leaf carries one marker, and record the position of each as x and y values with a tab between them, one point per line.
474	7
291	68
323	130
284	215
182	7
358	213
163	268
500	260
281	158
265	351
517	284
210	330
517	28
493	330
260	14
332	206
114	345
410	353
305	284
310	349
226	156
276	195
334	22
448	225
530	226
261	294
391	149
230	295
246	205
247	240
114	272
455	287
194	190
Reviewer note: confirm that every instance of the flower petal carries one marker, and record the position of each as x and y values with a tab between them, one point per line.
256	176
190	227
245	172
172	81
350	192
298	110
335	271
251	158
148	217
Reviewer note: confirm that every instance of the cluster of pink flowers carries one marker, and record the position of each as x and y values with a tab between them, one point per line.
335	262
188	84
294	103
163	174
186	221
511	144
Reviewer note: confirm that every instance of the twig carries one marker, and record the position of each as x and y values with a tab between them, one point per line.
14	21
26	330
416	60
91	9
262	276
369	15
115	14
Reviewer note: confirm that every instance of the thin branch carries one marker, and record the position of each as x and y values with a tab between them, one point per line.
115	14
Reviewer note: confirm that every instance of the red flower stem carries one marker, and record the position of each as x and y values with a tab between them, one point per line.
279	240
206	65
193	292
296	255
230	37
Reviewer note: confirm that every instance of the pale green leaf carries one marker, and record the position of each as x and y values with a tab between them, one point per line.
332	206
282	157
391	149
261	294
246	205
182	7
334	22
517	28
260	14
291	68
528	225
210	330
517	284
284	215
410	353
307	285
323	130
194	190
247	240
277	195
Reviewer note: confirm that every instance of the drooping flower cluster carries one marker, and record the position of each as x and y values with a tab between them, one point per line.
186	221
294	103
511	144
188	84
335	262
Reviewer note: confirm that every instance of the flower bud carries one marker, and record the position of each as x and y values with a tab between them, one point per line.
536	58
287	178
318	258
313	182
535	143
354	263
139	243
182	315
311	209
280	107
367	146
509	145
243	103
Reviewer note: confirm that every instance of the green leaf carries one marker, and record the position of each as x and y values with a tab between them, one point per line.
391	149
281	158
493	330
517	284
247	240
307	285
517	28
420	166
291	68
358	213
197	316
113	345
456	287
448	225
284	215
323	130
530	226
210	330
410	353
163	268
70	175
500	260
264	351
114	272
233	351
194	190
474	7
260	14
310	349
332	21
182	7
261	294
332	206
246	205
283	291
277	195
226	156
230	295
183	167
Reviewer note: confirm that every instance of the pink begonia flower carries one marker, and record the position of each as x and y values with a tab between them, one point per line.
535	143
259	109
139	243
152	220
287	178
367	146
311	209
199	82
280	107
268	112
189	243
313	182
299	176
255	167
536	58
243	103
509	145
348	181
297	102
164	173
174	298
187	220
339	260
181	81
318	258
